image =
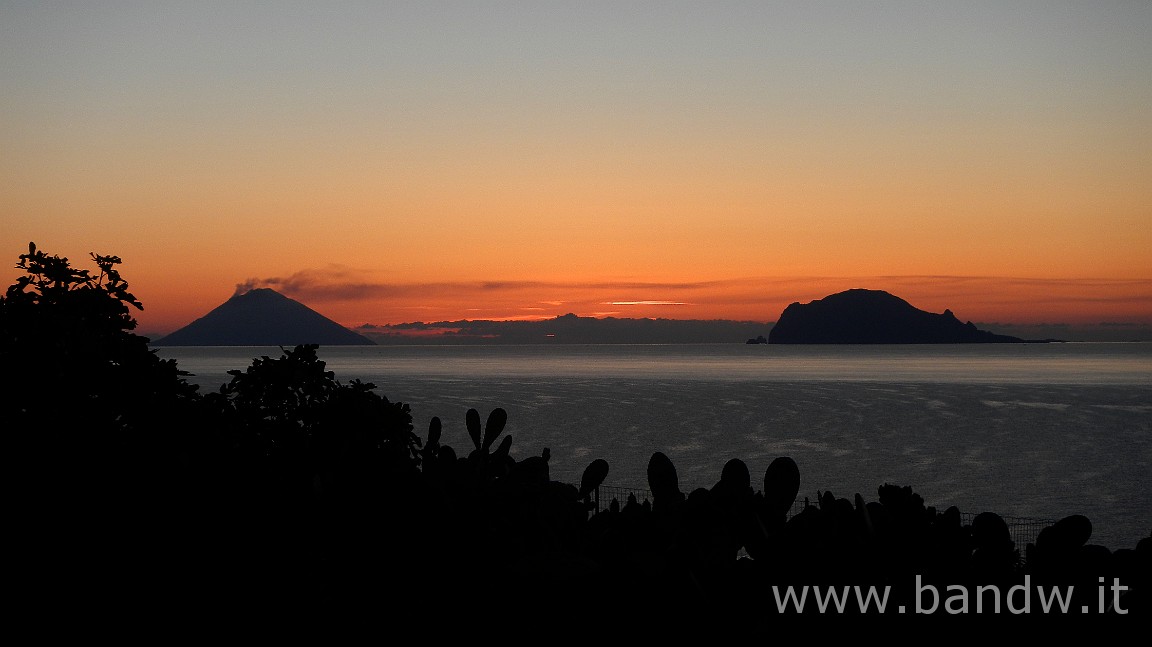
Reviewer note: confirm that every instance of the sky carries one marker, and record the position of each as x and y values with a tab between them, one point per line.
388	162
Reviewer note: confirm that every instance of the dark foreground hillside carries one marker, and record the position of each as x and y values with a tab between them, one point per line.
288	494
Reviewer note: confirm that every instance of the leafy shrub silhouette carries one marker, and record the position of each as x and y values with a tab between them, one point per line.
291	416
70	360
97	423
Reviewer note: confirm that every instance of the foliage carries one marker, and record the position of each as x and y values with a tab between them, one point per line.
72	362
97	422
105	419
68	353
292	410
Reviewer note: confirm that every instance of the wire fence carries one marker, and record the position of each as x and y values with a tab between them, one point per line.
1023	530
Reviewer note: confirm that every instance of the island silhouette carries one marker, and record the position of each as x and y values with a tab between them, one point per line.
862	316
263	317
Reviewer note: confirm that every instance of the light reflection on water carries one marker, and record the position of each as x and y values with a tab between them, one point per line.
1021	429
986	363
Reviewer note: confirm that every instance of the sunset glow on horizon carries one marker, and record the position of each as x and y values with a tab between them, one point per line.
442	161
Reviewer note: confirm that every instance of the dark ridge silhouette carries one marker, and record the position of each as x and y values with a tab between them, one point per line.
263	317
873	317
568	329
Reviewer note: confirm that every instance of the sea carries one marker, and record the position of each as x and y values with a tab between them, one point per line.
1040	431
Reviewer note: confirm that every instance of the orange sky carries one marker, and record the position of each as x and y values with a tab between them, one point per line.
445	162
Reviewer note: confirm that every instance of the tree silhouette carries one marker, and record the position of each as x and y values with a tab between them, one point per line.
95	424
290	417
69	358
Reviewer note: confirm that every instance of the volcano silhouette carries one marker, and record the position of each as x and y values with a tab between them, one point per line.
263	317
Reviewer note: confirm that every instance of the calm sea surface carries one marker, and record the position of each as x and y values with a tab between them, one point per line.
1035	430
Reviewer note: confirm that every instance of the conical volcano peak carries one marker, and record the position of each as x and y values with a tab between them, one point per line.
263	317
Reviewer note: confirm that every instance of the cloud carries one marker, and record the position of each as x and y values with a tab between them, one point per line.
332	285
338	278
987	298
338	282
